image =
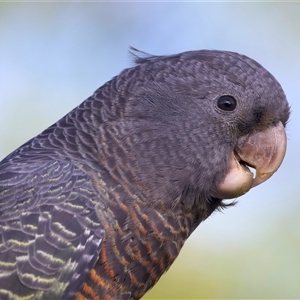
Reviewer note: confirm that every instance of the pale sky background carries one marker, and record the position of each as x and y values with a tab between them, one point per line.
54	55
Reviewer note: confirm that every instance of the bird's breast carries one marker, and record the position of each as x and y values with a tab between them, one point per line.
137	250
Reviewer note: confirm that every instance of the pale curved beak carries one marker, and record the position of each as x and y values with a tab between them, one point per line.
264	151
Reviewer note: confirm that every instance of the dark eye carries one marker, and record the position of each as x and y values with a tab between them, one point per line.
227	103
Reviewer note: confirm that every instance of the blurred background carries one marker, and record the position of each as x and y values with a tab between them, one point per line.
54	55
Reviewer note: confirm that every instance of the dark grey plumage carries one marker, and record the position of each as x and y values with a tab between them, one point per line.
99	205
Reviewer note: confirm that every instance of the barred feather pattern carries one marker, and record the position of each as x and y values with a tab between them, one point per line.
99	205
67	223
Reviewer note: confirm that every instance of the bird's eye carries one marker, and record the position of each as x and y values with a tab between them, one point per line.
227	103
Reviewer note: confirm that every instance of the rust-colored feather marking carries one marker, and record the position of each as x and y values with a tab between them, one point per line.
98	206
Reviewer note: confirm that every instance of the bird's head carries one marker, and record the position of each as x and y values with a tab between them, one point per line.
198	120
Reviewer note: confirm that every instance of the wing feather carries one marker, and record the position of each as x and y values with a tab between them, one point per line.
50	235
